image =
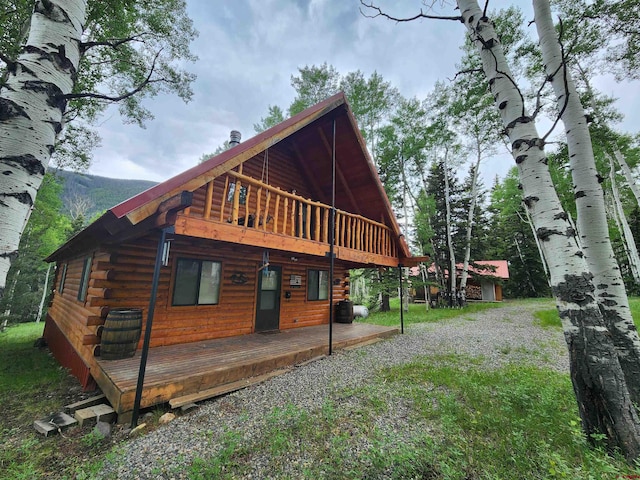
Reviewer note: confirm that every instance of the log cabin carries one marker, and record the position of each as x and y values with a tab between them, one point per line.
243	244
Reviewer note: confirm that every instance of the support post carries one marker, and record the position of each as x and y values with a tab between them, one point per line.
332	234
147	332
401	299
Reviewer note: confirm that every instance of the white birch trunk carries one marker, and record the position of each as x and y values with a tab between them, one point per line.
623	226
472	210
452	255
603	398
31	110
423	274
592	219
44	294
7	311
628	176
537	240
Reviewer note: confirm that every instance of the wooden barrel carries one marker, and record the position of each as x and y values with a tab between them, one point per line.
121	333
344	311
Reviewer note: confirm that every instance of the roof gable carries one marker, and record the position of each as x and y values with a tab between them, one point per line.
312	135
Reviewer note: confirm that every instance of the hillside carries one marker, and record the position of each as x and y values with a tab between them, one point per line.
91	195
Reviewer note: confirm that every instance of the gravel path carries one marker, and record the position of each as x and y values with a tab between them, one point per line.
496	337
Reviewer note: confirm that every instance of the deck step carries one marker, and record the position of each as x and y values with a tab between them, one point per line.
224	389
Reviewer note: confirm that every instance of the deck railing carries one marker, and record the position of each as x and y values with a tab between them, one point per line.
251	203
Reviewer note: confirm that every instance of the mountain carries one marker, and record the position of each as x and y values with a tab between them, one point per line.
91	195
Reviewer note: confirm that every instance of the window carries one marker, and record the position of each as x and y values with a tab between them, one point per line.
84	279
197	282
317	285
243	194
63	277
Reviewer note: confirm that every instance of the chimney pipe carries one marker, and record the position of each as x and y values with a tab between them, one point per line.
234	138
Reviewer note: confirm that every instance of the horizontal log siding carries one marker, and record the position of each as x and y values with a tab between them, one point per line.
78	321
297	311
124	275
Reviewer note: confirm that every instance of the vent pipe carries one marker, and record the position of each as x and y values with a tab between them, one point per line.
235	137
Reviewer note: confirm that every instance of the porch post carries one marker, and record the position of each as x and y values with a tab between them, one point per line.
332	233
147	332
401	299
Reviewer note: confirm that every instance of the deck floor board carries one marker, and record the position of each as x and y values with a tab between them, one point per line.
190	368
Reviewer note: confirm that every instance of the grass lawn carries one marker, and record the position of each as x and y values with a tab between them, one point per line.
418	313
32	385
549	316
463	422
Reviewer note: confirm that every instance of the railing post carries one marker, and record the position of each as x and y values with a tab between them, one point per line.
236	202
208	200
276	215
225	194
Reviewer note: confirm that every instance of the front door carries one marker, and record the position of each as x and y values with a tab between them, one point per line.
268	308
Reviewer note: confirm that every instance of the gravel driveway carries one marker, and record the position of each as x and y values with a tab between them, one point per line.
496	336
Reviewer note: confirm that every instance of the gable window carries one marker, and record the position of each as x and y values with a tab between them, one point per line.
197	282
84	279
63	278
317	285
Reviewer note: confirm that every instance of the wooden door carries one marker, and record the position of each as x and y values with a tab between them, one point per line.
268	302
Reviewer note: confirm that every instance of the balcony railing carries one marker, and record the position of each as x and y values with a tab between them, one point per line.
250	203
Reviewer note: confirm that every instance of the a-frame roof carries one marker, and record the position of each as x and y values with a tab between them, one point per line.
310	135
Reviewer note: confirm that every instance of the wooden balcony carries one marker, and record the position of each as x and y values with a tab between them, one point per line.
241	209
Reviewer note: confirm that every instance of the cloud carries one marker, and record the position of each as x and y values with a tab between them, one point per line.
248	51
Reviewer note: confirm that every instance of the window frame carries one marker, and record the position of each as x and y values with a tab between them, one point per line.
84	278
175	282
317	297
63	278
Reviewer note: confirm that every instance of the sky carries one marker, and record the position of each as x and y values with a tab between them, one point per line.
249	49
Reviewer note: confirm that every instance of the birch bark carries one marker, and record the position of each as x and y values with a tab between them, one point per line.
472	209
592	219
623	226
44	293
603	398
628	176
452	255
31	110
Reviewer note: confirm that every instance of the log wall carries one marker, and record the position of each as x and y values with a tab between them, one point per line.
122	277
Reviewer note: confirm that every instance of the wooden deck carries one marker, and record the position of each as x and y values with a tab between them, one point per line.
178	370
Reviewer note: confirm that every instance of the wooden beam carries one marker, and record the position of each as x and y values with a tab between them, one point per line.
197	227
177	202
224	389
364	258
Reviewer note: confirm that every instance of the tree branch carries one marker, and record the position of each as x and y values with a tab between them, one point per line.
380	13
100	96
84	46
465	72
